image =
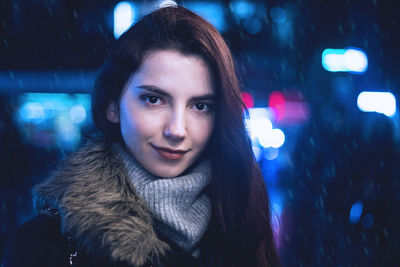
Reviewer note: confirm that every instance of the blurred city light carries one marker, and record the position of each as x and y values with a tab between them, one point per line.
211	11
368	220
77	114
355	212
271	153
346	60
32	112
277	103
256	113
247	99
381	102
356	60
253	25
273	138
167	3
257	152
54	81
53	119
288	108
261	129
276	212
277	205
278	15
292	9
124	15
277	138
242	9
68	135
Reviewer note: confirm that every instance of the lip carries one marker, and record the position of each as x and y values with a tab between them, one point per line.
168	153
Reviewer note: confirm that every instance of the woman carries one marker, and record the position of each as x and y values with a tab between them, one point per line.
174	181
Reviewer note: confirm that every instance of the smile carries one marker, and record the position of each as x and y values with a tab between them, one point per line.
168	153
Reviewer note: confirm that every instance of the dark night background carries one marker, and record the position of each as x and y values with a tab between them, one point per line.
335	157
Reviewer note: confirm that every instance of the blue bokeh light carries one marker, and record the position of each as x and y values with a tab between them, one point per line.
53	119
253	25
32	112
242	9
211	11
257	152
77	114
355	212
271	153
368	221
278	15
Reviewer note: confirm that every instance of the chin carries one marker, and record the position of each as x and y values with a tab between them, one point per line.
167	172
160	168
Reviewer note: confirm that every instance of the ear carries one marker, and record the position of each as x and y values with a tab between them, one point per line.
113	112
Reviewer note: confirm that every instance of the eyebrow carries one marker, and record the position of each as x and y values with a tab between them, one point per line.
161	92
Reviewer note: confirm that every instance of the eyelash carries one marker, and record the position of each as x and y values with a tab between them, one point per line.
208	105
146	100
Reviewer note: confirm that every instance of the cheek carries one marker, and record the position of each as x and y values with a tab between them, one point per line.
138	125
201	130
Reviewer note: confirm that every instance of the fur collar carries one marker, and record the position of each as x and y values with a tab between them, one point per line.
99	208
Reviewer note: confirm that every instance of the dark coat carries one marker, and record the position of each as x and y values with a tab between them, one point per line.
89	206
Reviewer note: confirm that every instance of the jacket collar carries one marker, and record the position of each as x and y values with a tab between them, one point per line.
99	208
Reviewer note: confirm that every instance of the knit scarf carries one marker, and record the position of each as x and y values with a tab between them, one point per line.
181	208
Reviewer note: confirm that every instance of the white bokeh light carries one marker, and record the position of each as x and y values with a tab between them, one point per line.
345	60
124	14
355	60
260	128
277	138
168	3
381	102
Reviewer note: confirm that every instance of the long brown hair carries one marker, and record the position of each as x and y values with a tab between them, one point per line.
240	232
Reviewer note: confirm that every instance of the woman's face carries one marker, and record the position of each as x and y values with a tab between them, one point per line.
166	112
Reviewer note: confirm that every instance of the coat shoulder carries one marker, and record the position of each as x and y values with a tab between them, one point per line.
37	242
99	208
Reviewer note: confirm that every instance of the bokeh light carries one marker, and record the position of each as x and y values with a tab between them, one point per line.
78	114
355	212
381	102
124	16
278	15
344	60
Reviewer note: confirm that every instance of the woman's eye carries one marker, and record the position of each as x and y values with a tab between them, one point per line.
152	100
204	107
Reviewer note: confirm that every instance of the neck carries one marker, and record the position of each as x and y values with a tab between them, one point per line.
181	208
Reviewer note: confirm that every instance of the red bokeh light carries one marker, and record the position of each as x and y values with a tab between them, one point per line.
247	99
277	103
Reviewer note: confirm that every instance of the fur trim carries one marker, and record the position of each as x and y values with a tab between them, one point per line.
99	208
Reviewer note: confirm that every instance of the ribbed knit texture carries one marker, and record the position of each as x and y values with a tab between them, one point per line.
180	206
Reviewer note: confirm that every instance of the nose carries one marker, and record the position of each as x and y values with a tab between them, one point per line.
176	126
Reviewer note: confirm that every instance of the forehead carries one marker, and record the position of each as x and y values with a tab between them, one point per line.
174	72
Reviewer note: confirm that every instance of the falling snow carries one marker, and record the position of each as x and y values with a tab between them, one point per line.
334	160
